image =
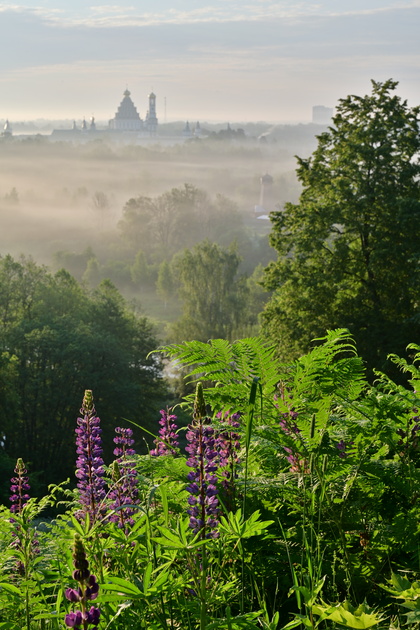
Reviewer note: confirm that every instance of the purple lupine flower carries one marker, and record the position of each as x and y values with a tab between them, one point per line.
288	422
124	441
204	504
19	488
228	446
87	590
167	442
344	448
289	427
124	475
90	465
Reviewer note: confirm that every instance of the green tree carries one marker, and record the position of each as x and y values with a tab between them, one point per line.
165	282
140	271
179	218
92	274
348	252
212	294
56	340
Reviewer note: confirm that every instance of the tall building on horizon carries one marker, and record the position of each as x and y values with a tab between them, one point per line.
322	115
151	119
127	117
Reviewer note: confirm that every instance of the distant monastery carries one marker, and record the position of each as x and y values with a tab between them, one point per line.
126	120
126	126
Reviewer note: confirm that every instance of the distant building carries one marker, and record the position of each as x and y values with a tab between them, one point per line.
266	202
322	115
127	117
126	121
151	119
187	133
7	130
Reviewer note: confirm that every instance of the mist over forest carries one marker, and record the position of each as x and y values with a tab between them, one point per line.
73	205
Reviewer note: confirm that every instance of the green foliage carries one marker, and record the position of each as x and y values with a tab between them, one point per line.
165	282
56	338
178	218
348	251
211	294
329	476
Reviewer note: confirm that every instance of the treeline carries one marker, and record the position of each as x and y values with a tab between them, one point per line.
56	339
190	257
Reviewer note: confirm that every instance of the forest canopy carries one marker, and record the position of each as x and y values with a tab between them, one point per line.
56	339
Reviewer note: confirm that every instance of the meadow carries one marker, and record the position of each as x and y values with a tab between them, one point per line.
290	499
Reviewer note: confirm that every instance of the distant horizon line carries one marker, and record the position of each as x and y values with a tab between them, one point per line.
103	121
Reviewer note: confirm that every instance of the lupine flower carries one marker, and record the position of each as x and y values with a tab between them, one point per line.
124	475
344	448
19	488
87	590
288	422
289	427
167	442
228	446
202	460
90	466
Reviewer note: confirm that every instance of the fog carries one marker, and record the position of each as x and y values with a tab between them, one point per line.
65	197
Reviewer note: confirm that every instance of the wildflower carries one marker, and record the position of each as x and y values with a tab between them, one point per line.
167	442
204	504
228	445
290	429
124	475
19	488
90	466
344	448
87	590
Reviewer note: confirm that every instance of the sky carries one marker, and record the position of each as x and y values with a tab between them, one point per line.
207	60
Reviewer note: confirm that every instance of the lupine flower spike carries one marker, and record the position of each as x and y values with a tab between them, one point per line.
87	590
203	501
19	488
228	446
90	466
289	427
167	442
124	475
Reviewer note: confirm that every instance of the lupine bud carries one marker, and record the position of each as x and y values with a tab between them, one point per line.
19	488
88	590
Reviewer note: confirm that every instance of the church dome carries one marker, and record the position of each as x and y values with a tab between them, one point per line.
127	117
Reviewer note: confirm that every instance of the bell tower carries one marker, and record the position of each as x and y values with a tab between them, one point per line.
151	119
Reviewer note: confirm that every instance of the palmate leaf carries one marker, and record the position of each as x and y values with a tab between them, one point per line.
348	616
236	527
401	588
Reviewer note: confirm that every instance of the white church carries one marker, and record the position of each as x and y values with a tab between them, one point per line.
127	117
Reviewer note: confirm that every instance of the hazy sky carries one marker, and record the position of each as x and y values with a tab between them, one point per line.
235	60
